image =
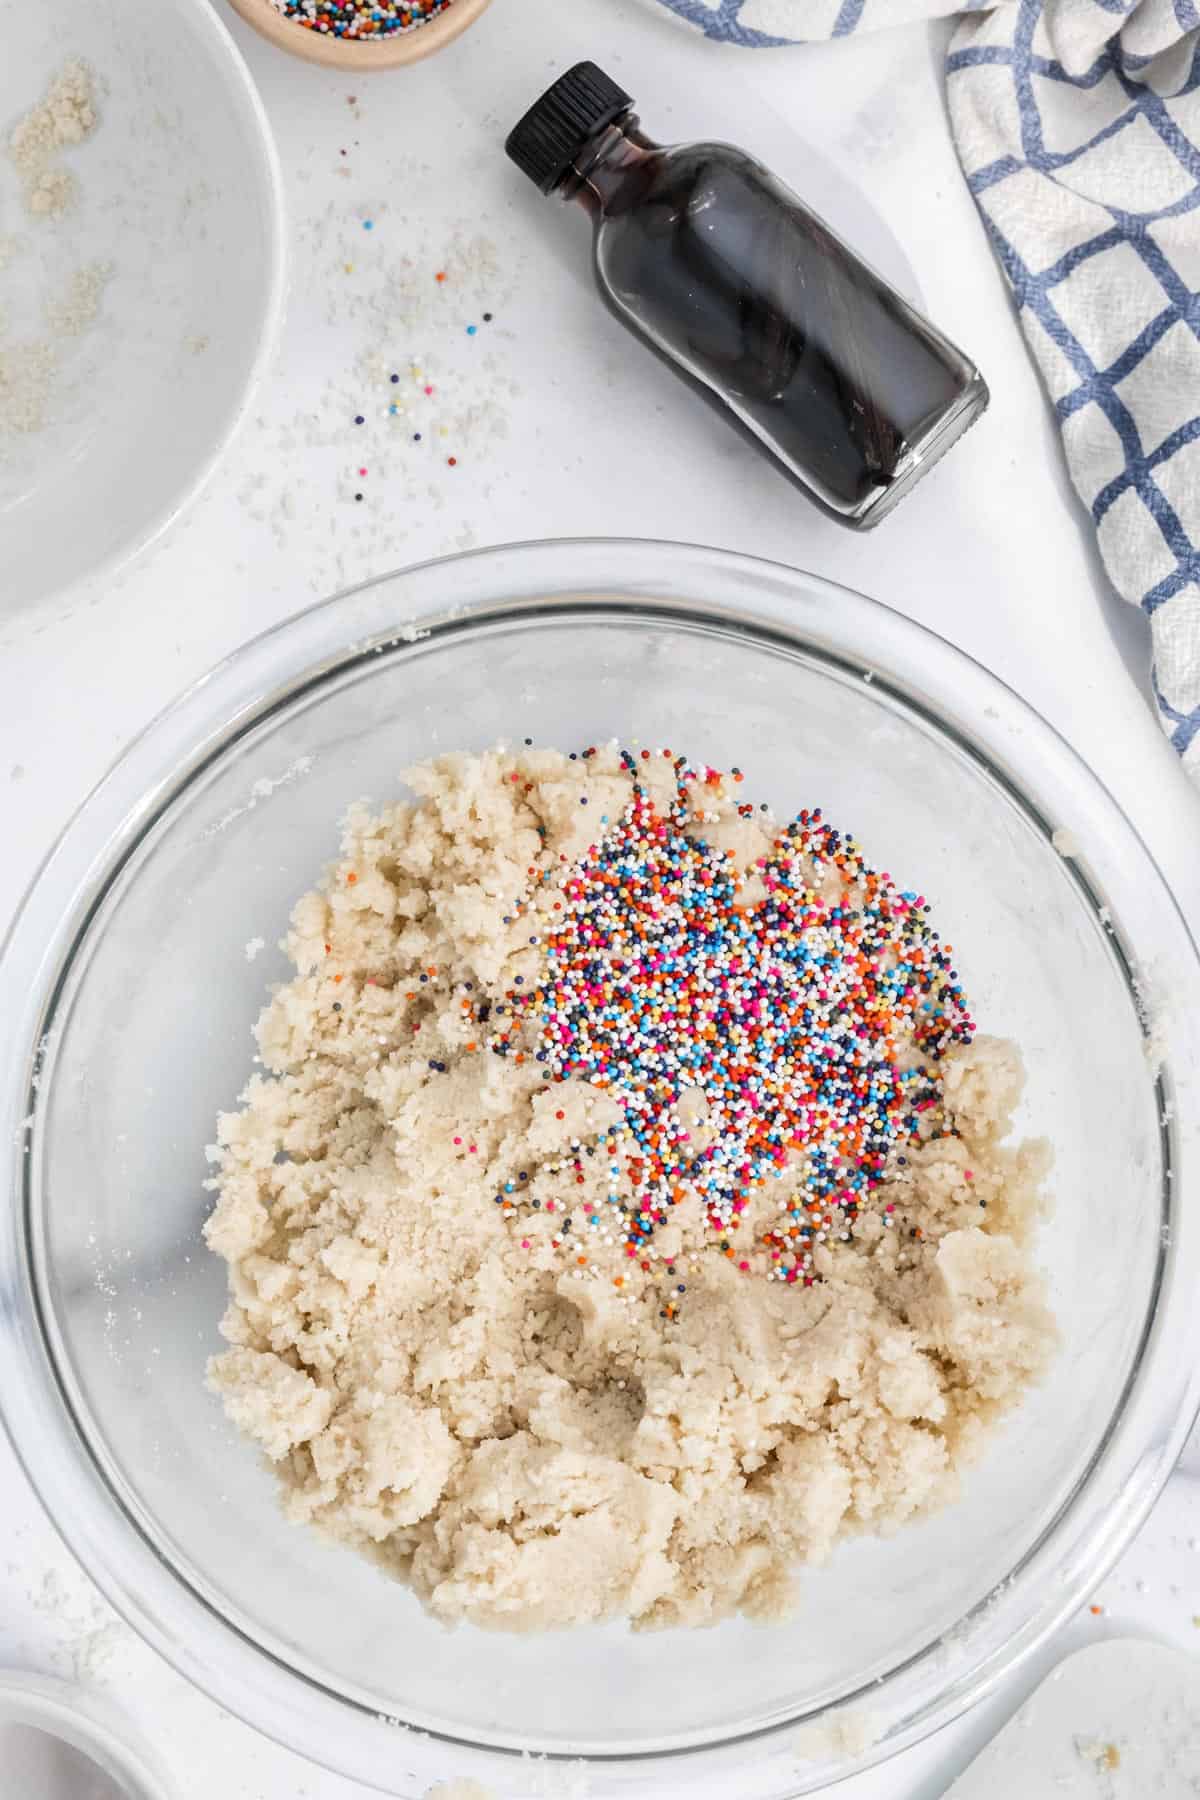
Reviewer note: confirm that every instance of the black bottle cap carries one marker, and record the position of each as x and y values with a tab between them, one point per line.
556	127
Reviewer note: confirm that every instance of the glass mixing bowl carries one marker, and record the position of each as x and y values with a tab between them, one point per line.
125	1012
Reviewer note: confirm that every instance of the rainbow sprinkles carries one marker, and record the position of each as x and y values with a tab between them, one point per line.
361	19
796	1011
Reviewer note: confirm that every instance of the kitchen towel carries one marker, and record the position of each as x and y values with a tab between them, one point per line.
1078	127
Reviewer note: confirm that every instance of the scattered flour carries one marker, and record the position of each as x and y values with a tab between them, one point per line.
91	1632
27	372
459	1790
1153	1005
496	1421
30	368
72	311
64	118
397	301
842	1736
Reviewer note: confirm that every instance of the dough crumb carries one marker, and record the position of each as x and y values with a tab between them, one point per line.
842	1736
30	368
65	117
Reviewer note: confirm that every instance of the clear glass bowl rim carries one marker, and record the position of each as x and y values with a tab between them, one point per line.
641	577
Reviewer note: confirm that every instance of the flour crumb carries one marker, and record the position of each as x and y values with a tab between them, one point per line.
557	1781
70	313
90	1632
459	1790
842	1736
1065	842
1150	996
64	118
30	371
254	946
27	372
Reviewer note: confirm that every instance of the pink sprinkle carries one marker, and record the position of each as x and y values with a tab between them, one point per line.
362	471
429	390
549	1206
458	1140
471	1148
968	1174
524	1243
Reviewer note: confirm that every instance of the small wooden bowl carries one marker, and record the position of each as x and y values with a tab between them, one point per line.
353	55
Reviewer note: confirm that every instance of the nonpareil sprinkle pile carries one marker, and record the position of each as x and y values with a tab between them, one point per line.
362	19
805	1000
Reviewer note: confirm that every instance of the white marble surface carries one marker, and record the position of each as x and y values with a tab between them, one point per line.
561	426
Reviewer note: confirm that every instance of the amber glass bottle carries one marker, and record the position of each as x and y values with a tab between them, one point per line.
725	273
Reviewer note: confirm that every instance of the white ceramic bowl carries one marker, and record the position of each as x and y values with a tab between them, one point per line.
108	1757
179	191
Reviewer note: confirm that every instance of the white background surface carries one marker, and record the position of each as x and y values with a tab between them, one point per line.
562	426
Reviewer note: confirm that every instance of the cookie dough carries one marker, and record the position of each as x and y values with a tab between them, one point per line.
434	1334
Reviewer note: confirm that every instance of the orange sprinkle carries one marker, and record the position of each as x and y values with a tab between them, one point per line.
352	878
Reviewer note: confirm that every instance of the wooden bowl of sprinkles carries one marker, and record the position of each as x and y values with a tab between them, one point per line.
360	35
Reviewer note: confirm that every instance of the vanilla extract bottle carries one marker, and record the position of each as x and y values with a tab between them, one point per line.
726	274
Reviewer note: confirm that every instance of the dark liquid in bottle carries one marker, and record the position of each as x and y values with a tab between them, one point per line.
726	272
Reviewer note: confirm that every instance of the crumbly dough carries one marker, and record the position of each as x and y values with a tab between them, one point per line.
493	1418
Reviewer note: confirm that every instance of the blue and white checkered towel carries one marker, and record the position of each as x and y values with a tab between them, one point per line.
1078	126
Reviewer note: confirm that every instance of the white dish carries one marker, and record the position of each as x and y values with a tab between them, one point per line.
107	1760
179	193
